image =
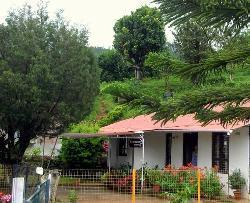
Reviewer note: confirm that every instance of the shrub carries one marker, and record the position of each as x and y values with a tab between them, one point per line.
152	176
210	184
184	180
72	196
236	180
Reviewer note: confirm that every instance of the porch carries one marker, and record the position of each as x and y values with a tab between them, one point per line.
225	150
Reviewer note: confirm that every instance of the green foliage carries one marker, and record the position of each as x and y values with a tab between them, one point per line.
183	196
236	180
98	50
160	62
138	34
48	78
67	181
215	13
180	184
113	116
210	185
153	176
72	196
113	66
33	152
192	42
219	61
202	99
81	153
84	127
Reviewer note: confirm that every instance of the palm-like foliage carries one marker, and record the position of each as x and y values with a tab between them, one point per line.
229	14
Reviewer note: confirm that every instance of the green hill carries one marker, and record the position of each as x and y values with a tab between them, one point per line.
108	109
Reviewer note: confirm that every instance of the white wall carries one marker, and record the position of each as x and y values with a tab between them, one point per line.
239	152
116	160
205	149
177	150
155	151
113	152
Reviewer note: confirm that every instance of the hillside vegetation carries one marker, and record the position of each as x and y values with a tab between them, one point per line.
108	109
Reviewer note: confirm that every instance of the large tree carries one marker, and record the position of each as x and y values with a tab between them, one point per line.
193	42
48	78
231	16
113	66
138	34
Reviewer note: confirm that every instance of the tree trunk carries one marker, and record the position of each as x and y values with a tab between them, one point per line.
138	73
12	151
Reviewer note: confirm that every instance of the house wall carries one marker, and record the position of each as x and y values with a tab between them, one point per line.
177	149
239	153
205	149
155	151
116	160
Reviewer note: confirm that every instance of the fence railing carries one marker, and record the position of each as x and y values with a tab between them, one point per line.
156	185
41	194
8	172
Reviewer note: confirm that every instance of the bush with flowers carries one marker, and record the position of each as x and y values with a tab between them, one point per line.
5	198
173	180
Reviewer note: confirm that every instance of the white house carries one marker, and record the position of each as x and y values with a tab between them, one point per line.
175	142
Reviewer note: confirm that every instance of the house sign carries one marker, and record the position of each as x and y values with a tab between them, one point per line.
135	142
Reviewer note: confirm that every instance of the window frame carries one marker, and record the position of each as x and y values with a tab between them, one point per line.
220	151
168	157
122	147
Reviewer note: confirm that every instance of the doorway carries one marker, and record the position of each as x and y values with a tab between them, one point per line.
168	148
190	146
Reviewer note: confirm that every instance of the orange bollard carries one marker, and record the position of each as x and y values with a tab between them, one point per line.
199	185
133	186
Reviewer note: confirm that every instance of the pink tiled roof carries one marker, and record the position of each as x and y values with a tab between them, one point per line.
182	123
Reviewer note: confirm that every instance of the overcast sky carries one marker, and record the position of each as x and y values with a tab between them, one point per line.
98	16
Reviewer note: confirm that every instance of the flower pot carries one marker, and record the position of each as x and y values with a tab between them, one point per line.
237	194
156	188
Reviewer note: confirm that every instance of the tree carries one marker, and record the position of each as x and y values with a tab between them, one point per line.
138	34
81	153
113	66
232	15
193	42
48	78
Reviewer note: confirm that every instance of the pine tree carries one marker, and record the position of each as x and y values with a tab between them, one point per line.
225	15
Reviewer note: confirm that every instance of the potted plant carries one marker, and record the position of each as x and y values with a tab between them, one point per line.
236	182
153	176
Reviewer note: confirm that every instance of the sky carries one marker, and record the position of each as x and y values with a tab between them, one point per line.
98	16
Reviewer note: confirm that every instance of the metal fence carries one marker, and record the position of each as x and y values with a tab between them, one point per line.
8	172
78	185
41	194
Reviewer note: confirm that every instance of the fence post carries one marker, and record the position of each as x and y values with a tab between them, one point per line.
133	186
199	185
17	190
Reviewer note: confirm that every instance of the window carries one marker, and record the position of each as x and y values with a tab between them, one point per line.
168	148
122	147
220	151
